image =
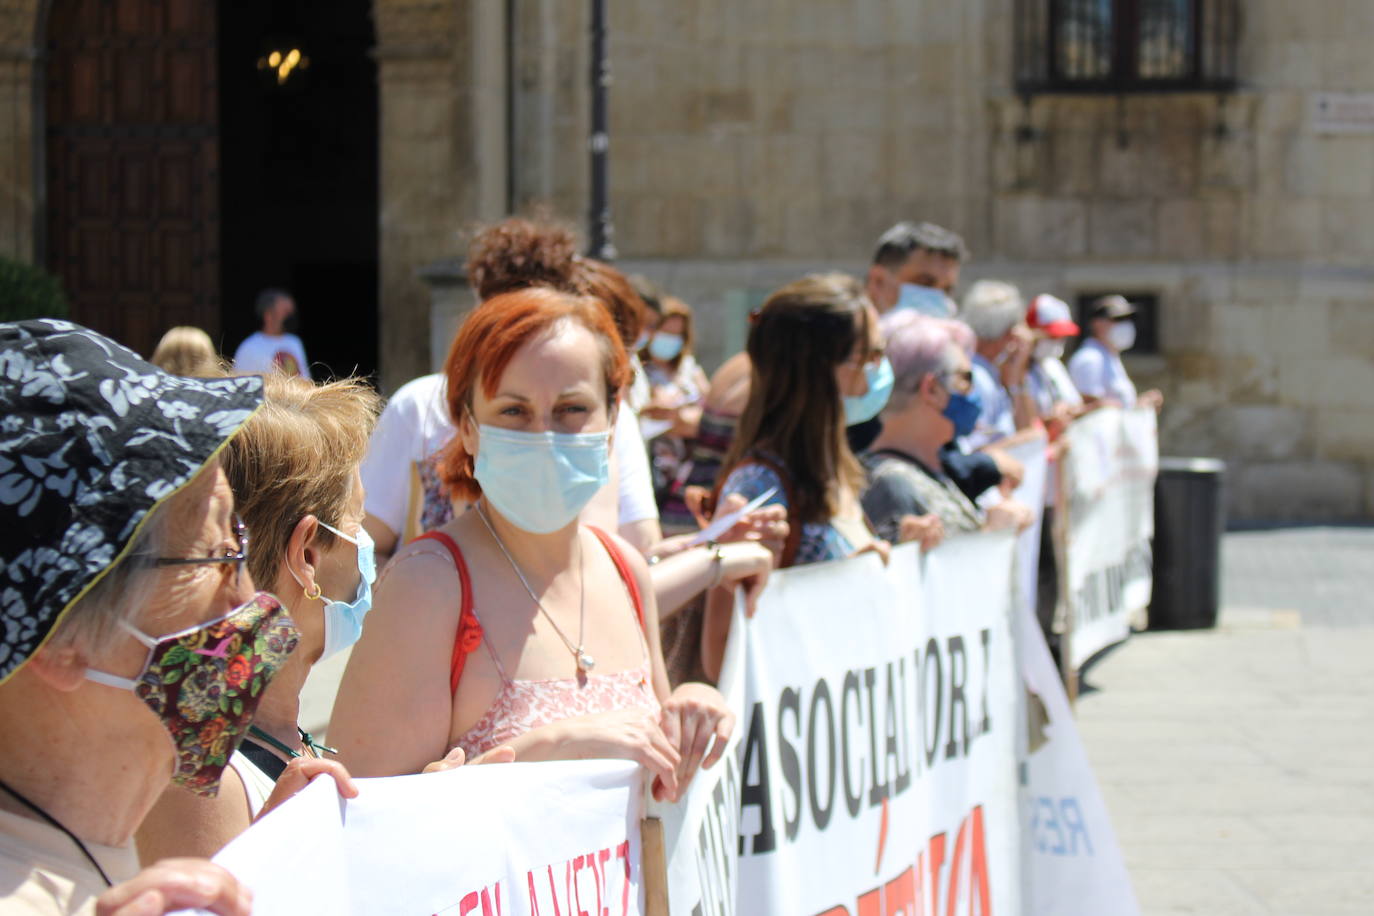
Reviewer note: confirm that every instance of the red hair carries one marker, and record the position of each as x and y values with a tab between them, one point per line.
490	338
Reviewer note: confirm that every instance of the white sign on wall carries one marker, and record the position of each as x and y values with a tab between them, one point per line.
1341	112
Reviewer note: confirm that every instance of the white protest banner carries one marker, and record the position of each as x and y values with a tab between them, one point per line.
878	767
498	840
1030	493
701	831
1072	864
1108	478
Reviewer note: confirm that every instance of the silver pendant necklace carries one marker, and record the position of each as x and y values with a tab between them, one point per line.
584	659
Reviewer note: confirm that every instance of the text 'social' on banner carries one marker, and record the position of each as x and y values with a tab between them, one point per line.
878	767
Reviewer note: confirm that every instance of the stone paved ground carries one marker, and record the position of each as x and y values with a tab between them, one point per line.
1238	763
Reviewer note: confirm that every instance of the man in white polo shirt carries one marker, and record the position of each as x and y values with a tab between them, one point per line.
1096	368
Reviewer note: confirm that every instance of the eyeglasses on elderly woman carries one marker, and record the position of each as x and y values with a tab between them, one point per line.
236	554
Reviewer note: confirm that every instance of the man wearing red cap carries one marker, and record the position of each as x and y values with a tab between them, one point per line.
1057	401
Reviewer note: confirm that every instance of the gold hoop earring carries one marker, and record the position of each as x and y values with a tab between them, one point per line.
318	591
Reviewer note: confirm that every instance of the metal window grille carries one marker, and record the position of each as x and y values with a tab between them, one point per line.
1116	46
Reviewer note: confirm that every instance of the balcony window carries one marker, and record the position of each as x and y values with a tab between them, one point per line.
1117	46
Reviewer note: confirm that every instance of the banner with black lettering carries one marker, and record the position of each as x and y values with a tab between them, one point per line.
878	768
1108	479
700	832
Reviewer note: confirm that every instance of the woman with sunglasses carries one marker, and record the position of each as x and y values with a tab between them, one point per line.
294	473
817	367
933	401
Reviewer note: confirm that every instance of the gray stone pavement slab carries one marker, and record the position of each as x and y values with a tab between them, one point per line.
1238	763
1326	574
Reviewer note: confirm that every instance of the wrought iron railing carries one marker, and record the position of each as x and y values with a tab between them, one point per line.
1116	46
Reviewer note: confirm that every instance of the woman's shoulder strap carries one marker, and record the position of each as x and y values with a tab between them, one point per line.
469	635
622	566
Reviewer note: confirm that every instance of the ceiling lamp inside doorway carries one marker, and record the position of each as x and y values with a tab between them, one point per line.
283	63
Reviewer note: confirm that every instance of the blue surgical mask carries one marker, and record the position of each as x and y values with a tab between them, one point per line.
963	411
343	620
866	406
665	347
541	481
926	300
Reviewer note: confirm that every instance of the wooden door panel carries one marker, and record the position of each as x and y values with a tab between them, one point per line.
135	186
87	194
133	264
133	18
133	87
133	194
92	262
185	86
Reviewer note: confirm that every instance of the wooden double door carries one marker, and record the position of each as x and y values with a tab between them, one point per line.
132	164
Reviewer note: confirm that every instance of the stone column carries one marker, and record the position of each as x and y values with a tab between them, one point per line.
450	300
441	69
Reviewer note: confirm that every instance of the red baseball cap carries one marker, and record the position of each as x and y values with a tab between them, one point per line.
1052	315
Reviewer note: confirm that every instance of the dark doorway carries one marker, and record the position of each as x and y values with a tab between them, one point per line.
131	140
299	173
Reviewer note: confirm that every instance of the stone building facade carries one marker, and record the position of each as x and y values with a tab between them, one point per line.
751	142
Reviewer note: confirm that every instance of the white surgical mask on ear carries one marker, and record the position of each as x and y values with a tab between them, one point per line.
1122	335
343	620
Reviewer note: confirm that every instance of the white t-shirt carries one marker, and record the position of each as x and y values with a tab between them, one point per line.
264	352
635	500
639	393
401	474
1098	373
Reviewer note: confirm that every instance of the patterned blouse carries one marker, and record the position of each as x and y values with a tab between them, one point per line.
820	541
899	485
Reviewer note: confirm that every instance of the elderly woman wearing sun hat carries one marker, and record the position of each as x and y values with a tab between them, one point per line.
133	646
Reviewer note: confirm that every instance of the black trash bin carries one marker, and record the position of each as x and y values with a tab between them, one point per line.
1189	519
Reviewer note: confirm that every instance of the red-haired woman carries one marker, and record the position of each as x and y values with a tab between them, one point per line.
553	649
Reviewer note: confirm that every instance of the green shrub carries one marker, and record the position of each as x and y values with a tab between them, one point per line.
27	292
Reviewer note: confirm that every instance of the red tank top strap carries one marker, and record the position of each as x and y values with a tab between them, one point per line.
623	568
469	635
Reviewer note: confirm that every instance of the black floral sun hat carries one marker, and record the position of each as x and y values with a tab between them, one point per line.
92	439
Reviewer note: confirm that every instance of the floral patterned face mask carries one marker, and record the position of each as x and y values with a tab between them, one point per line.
205	682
